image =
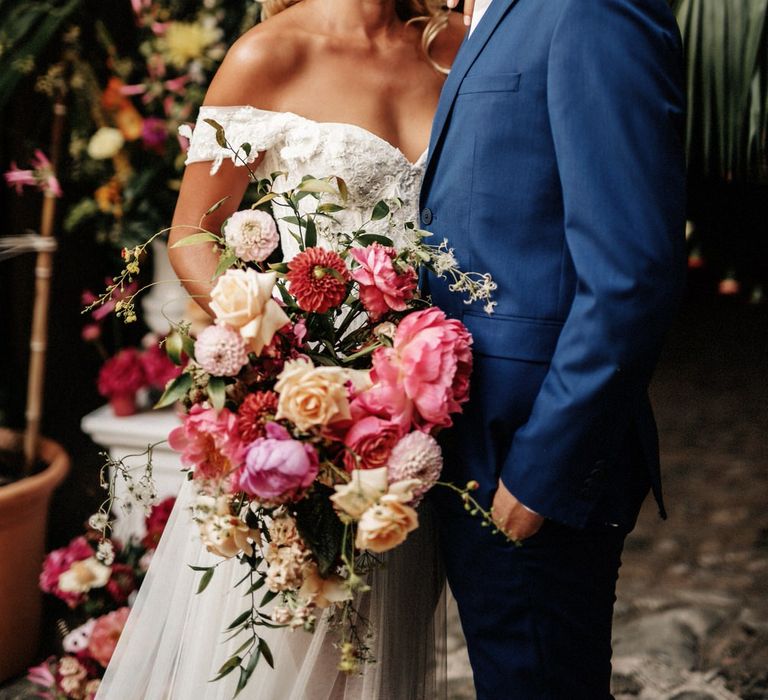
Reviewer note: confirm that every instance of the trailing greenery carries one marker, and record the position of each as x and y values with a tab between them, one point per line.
726	47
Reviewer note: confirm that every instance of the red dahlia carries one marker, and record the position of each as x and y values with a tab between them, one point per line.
318	279
254	413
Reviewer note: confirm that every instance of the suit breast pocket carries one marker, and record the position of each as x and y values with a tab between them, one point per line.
490	83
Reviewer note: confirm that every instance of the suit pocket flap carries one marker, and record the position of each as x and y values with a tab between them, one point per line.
490	82
513	338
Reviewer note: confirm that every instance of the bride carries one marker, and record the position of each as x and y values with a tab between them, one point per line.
323	87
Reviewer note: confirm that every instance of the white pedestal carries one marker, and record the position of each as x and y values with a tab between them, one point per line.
130	436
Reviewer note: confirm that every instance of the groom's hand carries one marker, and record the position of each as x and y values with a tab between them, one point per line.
512	517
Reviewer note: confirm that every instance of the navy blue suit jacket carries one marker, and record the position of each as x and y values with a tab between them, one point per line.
556	164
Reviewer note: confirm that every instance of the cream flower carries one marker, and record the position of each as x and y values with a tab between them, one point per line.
365	488
227	536
312	396
386	525
105	143
84	575
186	41
243	299
323	592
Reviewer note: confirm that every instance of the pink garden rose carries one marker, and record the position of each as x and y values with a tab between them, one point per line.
105	635
369	443
277	467
382	287
424	376
60	561
209	442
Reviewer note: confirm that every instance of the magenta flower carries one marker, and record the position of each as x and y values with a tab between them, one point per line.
154	134
60	561
277	468
158	367
122	375
41	176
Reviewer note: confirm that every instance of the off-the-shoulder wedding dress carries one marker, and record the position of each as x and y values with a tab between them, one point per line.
173	643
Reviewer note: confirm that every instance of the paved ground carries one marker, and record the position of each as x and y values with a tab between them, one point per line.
692	614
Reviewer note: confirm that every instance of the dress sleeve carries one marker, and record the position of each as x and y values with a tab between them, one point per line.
249	131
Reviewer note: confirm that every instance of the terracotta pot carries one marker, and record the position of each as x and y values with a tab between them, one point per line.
23	523
123	404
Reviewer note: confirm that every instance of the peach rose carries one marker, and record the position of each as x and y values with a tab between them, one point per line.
386	525
312	396
243	299
322	592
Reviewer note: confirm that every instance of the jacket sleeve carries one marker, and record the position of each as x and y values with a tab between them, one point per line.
615	102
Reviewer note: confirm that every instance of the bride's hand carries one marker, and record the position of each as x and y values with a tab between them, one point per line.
469	7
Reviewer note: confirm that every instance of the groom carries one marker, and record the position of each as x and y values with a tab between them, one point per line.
556	164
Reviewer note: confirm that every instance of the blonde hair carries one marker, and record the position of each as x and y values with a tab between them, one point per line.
427	12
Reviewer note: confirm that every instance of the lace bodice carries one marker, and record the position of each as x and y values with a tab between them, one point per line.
372	168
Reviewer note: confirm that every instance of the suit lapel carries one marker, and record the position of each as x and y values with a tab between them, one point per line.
466	56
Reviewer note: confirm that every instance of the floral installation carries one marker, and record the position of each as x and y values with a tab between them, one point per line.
97	579
312	405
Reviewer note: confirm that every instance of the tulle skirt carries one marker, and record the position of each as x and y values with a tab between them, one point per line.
173	643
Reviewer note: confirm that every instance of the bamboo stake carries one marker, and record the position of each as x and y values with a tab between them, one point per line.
43	271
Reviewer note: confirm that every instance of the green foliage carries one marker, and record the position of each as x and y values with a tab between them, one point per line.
26	31
726	47
320	527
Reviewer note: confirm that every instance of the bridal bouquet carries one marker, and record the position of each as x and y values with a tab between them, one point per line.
312	404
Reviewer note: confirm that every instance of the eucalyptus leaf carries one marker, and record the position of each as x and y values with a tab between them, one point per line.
368	238
380	210
205	580
319	186
266	652
217	392
197	239
239	620
175	391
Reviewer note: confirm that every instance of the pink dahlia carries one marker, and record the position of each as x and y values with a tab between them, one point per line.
254	413
416	456
424	377
318	279
277	468
60	561
252	234
105	635
209	442
383	288
220	350
369	443
122	375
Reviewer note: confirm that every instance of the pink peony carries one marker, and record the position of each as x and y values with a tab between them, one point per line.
221	350
424	377
159	369
122	375
382	287
106	633
60	561
277	468
209	442
369	443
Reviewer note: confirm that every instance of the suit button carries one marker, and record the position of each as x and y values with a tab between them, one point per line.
426	216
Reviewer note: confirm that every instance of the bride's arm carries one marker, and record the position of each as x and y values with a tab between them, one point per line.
195	265
248	58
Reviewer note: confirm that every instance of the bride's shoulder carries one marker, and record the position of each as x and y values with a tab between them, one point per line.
259	65
447	42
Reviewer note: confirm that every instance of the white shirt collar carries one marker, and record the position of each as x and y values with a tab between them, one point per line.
480	9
